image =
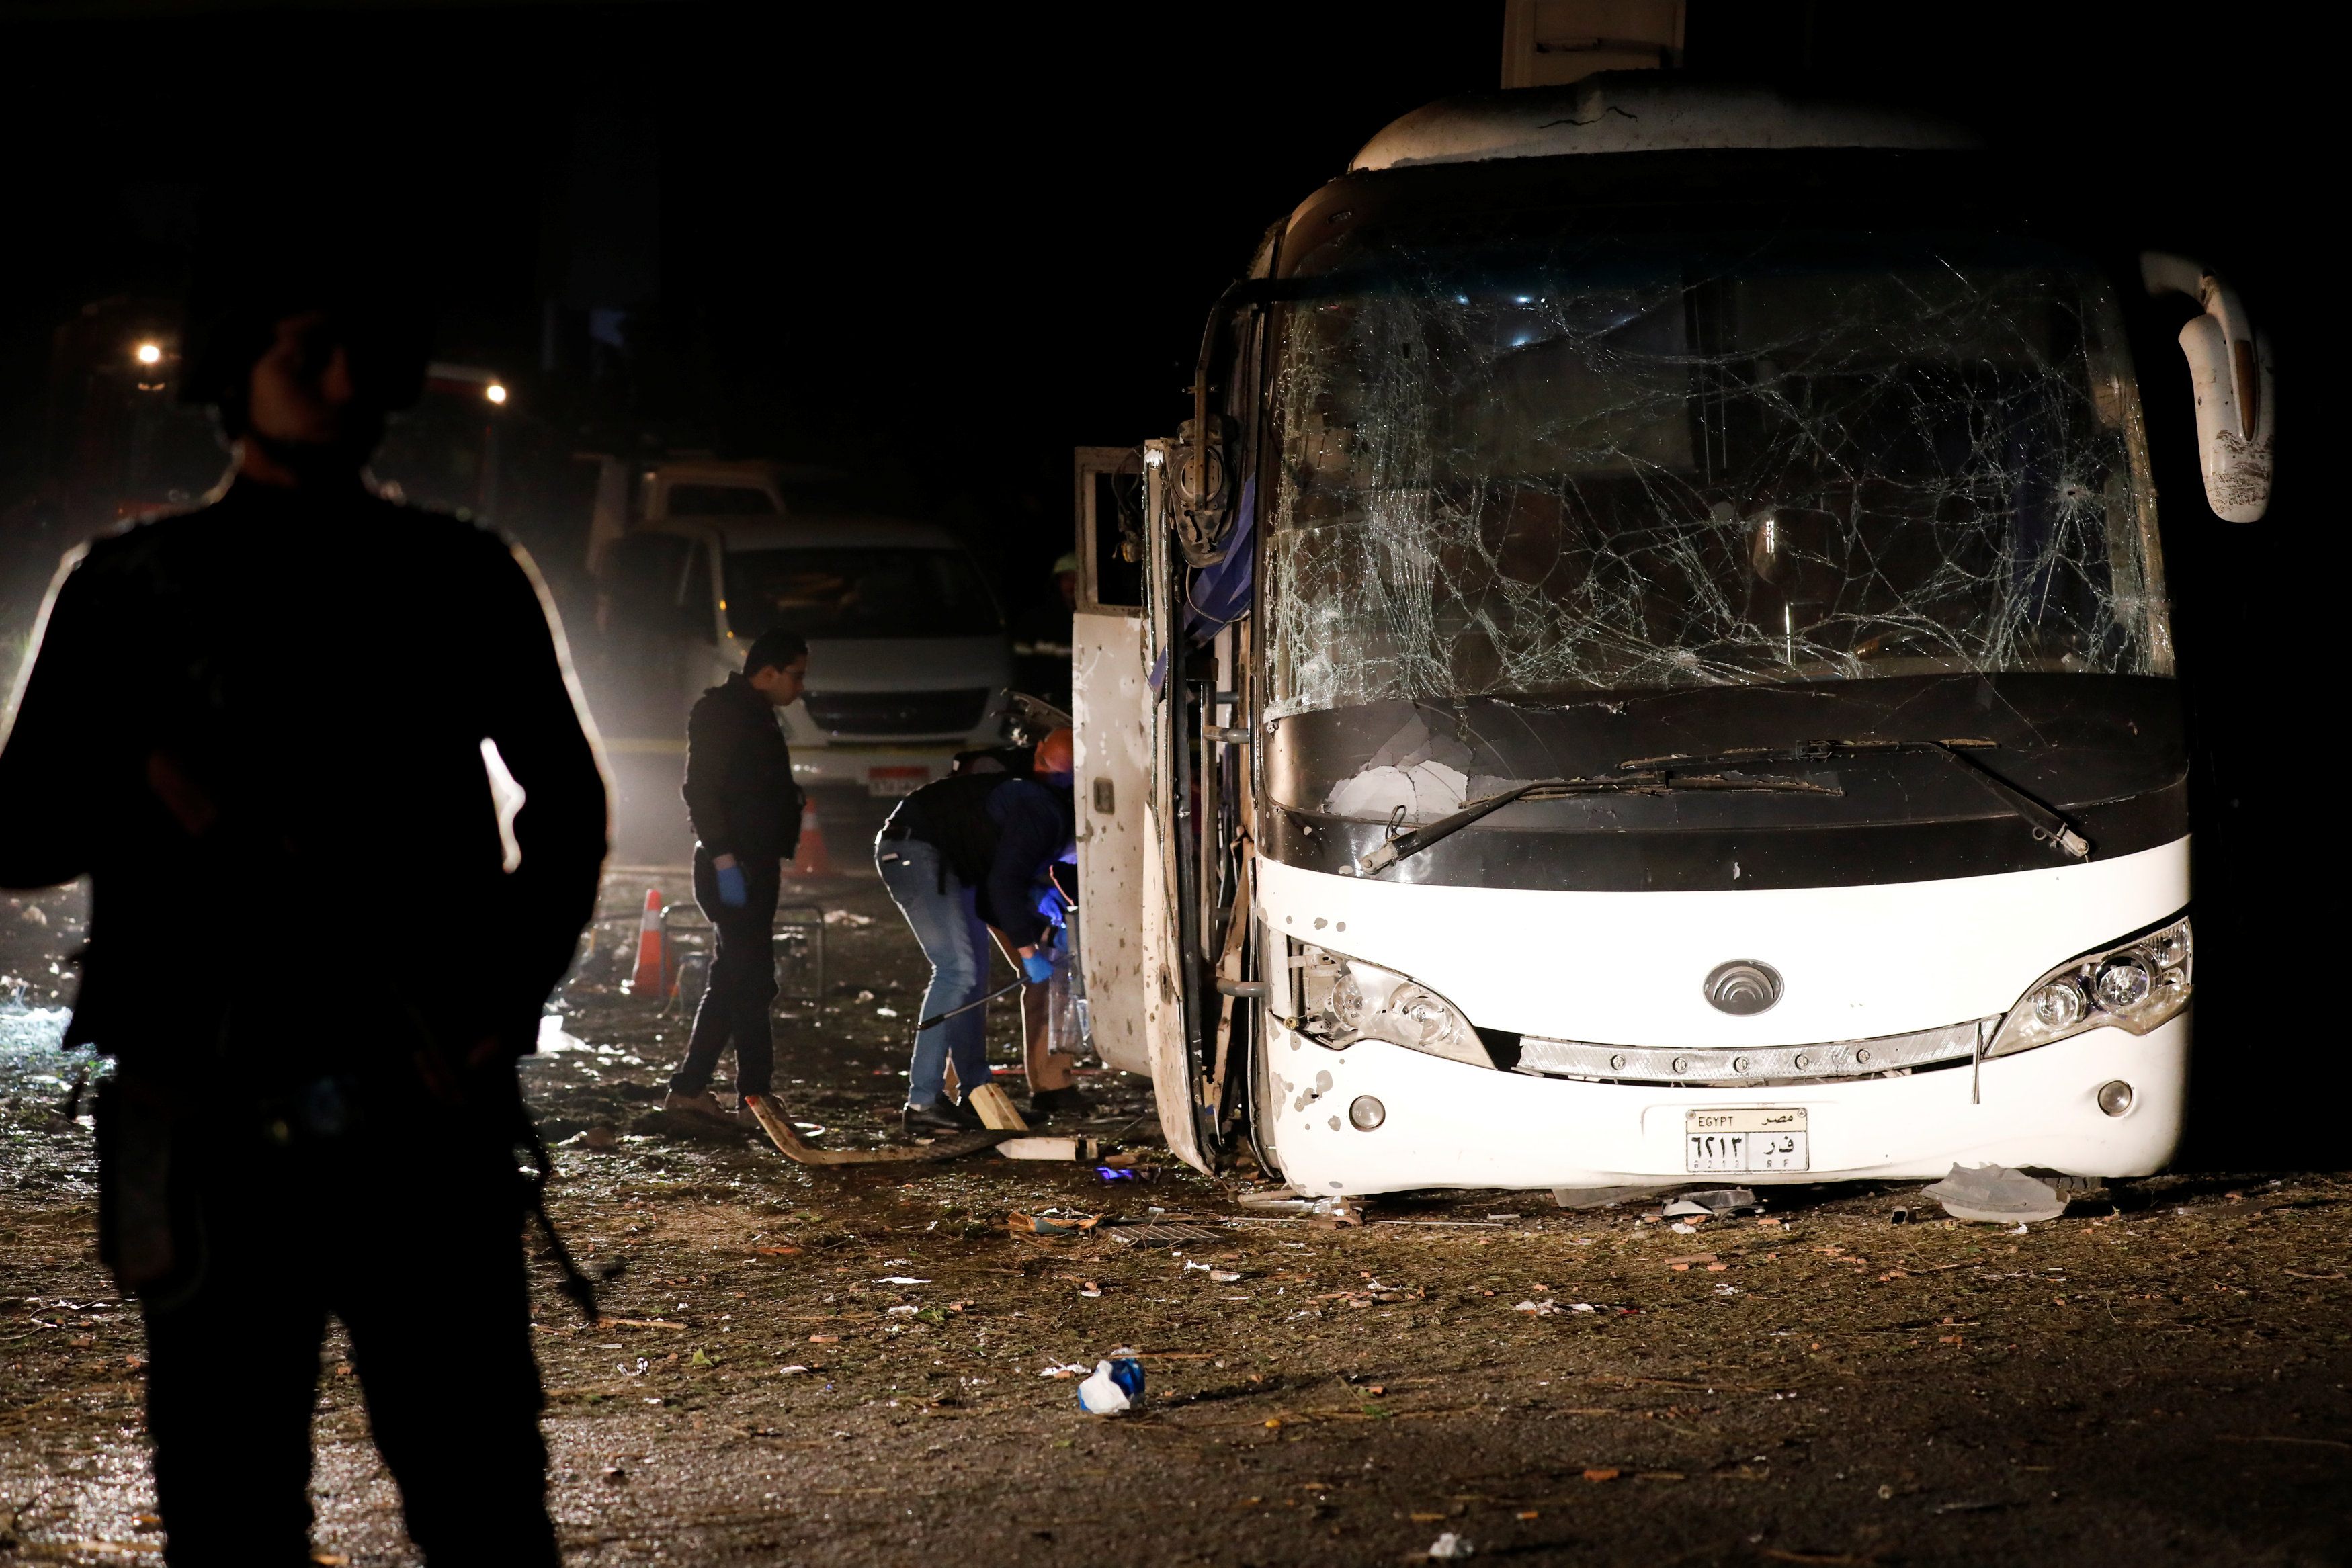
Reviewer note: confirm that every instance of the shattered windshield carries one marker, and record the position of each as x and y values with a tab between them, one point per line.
1628	463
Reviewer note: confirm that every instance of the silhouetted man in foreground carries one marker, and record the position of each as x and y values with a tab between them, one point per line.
262	730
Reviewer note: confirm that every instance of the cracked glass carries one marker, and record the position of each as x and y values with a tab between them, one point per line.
1532	471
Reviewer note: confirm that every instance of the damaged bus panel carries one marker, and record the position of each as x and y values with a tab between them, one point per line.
1651	659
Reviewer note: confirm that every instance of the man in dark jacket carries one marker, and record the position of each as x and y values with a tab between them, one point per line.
962	856
747	822
265	731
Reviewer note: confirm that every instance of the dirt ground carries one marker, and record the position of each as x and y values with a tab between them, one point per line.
862	1365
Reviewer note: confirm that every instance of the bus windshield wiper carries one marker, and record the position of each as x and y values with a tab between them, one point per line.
1665	775
2048	825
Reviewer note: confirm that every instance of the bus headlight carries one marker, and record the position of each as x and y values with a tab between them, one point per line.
2132	986
1353	1000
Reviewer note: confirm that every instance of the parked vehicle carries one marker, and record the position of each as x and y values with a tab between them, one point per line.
1653	662
907	651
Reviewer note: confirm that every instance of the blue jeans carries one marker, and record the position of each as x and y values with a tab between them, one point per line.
949	931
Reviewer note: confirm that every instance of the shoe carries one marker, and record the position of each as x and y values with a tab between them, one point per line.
742	1115
931	1120
1047	1103
704	1104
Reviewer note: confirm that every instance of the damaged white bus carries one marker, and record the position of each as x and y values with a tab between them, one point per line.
1650	663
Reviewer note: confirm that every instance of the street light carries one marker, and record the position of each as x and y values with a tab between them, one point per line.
495	392
148	354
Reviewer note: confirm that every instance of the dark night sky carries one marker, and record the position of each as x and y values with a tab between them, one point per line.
942	252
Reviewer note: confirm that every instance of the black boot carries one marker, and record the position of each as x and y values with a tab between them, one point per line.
931	1120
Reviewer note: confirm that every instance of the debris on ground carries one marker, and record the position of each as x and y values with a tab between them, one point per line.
1715	1202
1161	1235
1605	1196
1450	1548
1050	1223
1116	1387
2096	1345
1330	1213
1996	1195
1064	1149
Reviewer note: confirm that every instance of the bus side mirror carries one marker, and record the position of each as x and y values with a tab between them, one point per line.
2229	369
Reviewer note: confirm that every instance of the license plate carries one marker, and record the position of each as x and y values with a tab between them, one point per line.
893	782
1748	1139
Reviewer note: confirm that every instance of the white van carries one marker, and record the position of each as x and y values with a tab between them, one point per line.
907	650
1655	665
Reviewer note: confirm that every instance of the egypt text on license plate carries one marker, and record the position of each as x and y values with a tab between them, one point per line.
1746	1138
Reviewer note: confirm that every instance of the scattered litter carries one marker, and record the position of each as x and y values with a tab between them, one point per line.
1116	1385
847	917
597	1139
1540	1309
1330	1213
1602	1475
1902	1215
1048	1224
1715	1201
1047	1148
1996	1195
1684	1228
788	1371
1074	1369
1223	1277
1282	1199
1161	1235
901	1311
886	1012
901	1280
1374	1291
1450	1548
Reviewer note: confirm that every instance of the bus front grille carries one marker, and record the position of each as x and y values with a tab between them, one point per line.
1763	1066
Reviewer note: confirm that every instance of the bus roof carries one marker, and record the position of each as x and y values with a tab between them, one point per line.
1643	111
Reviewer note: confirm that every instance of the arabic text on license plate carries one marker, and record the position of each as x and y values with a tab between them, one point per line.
892	782
1746	1138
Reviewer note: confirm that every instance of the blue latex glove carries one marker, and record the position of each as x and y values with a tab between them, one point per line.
1053	906
733	891
1038	967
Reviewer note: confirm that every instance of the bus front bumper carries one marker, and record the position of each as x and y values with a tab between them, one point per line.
1444	1124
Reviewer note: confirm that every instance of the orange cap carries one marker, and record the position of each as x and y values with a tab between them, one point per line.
1055	753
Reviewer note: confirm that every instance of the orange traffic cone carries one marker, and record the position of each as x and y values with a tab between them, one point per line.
811	860
652	979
